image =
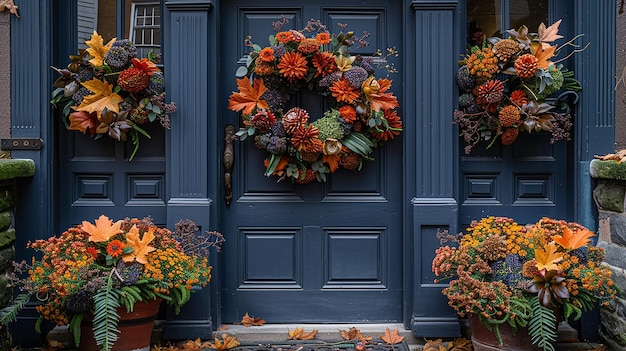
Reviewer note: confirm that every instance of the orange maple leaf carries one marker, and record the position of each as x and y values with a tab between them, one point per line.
391	337
192	345
248	321
437	345
97	49
299	334
102	97
81	121
227	342
104	229
462	344
139	245
249	96
549	257
375	92
332	161
544	54
572	240
354	334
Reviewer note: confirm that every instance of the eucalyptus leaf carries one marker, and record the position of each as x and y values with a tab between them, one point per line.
241	72
256	47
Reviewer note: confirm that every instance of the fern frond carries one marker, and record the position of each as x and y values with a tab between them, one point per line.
105	317
9	313
74	327
542	326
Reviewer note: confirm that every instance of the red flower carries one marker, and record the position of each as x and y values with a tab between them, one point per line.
395	127
323	38
93	252
115	248
348	113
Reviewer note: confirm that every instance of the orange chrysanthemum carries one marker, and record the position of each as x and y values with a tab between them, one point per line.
395	127
308	46
343	91
348	113
263	68
304	138
293	66
323	38
115	248
284	37
267	54
324	63
92	251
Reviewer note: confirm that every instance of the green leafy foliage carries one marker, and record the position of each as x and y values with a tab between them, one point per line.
9	313
105	317
541	326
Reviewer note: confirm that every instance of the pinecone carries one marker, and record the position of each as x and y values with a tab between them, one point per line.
464	79
294	119
505	49
133	80
482	63
309	176
508	116
526	66
509	136
490	92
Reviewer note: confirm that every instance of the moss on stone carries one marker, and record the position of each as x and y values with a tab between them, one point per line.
5	220
16	168
607	169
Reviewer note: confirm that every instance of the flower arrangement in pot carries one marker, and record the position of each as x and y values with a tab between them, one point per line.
516	85
523	276
95	268
107	90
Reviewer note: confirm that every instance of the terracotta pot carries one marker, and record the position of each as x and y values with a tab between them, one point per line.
485	340
135	328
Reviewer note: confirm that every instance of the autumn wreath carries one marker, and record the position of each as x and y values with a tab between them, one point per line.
361	112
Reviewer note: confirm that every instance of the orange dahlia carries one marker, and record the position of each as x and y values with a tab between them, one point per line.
526	66
267	55
324	63
305	138
395	127
323	38
342	90
348	113
284	37
293	66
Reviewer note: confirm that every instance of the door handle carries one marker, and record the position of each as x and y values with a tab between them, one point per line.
229	156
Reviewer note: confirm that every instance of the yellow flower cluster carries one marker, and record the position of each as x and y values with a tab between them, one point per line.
174	269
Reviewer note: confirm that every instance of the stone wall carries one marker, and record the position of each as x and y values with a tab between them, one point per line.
609	195
10	172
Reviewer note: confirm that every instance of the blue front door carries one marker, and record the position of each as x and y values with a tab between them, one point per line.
319	252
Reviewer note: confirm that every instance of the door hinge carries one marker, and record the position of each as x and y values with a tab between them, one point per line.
21	144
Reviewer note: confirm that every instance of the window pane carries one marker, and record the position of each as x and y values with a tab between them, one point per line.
483	18
528	12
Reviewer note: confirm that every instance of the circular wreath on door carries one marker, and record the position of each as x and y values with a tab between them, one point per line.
361	108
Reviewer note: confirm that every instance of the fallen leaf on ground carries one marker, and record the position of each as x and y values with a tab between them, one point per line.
192	345
462	344
437	345
227	342
223	327
300	334
164	348
391	337
354	334
248	321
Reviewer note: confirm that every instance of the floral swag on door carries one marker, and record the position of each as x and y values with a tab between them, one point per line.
516	85
361	113
107	90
